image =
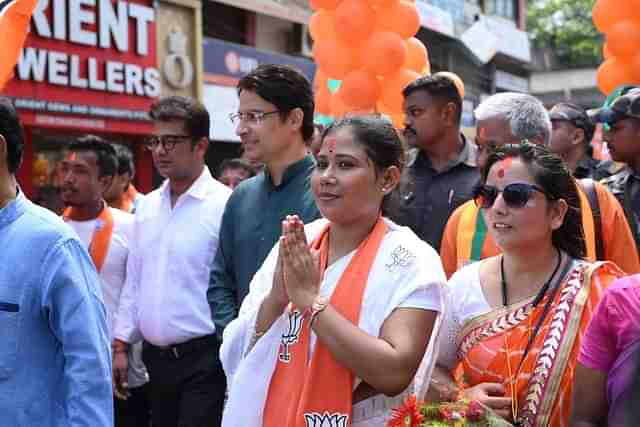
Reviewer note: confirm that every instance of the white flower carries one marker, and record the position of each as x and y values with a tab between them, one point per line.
326	420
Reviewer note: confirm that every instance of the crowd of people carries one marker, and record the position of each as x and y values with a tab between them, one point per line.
330	273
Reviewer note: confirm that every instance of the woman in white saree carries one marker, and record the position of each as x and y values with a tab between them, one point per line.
339	331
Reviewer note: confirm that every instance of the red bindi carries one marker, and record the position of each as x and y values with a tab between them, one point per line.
504	166
73	157
331	144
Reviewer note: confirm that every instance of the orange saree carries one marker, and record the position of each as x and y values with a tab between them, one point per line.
491	346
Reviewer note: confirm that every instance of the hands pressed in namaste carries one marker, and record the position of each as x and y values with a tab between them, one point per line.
300	264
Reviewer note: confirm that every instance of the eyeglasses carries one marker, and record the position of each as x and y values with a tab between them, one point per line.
251	117
168	141
515	195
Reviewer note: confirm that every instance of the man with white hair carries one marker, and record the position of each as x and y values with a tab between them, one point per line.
510	118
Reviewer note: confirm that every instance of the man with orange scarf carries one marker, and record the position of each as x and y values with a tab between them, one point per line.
88	168
122	194
511	118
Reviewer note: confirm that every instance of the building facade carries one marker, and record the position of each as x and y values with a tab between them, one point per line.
95	68
483	41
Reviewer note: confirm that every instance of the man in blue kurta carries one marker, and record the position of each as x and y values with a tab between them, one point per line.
55	359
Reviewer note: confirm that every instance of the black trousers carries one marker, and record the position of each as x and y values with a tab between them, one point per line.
187	383
136	410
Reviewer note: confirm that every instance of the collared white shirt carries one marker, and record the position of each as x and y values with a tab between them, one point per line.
113	273
164	301
112	278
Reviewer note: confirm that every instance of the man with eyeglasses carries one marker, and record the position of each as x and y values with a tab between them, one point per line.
510	118
274	120
621	119
173	243
442	166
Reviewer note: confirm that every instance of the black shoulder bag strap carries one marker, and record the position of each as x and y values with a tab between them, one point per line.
589	187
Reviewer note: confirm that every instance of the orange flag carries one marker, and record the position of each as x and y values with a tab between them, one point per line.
14	24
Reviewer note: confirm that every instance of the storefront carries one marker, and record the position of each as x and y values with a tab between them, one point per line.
85	72
95	68
224	64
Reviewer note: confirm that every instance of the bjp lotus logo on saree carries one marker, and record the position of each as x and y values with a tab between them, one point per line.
315	419
291	335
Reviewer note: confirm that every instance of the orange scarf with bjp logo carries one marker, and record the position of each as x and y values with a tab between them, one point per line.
316	389
101	234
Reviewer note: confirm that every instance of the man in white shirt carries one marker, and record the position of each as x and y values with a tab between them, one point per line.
88	168
174	240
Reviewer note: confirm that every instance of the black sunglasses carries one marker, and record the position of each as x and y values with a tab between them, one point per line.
515	195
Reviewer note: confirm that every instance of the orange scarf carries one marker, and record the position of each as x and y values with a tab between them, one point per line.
304	392
101	235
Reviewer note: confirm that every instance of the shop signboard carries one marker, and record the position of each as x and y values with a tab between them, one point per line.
91	62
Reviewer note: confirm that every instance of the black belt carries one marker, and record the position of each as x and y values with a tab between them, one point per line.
176	351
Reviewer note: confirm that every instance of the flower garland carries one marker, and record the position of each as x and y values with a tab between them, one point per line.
462	413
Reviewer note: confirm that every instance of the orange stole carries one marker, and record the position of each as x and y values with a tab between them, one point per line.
305	392
101	236
544	383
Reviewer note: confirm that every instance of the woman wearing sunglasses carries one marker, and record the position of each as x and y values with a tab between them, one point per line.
513	323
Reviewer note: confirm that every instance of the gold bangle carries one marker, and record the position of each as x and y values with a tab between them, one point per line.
318	306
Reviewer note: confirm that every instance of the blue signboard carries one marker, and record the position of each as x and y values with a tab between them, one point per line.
235	60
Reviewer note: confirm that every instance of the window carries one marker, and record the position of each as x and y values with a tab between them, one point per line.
504	8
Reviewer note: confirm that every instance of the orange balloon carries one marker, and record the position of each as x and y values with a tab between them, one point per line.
606	13
623	38
634	67
383	3
360	90
335	58
392	87
385	53
606	52
613	73
397	120
322	100
354	20
417	55
457	81
338	109
383	109
322	25
320	79
401	18
324	4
